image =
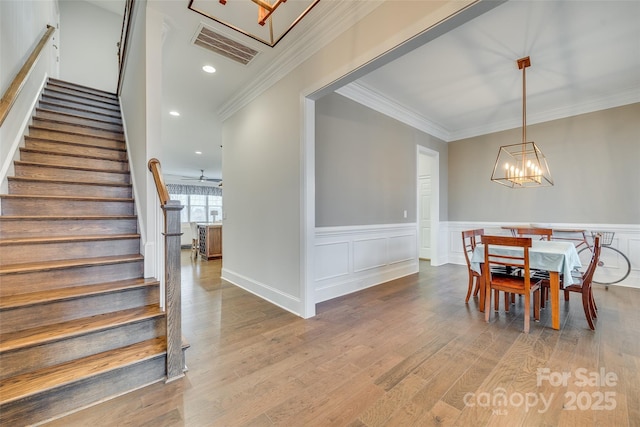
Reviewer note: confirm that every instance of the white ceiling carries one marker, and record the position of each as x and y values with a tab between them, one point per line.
585	56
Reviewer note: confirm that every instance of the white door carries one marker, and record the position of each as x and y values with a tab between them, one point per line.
424	206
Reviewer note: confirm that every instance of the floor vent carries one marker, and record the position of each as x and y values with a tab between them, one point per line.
223	45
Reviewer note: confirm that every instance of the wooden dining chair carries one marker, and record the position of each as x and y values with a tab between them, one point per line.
510	284
583	286
470	239
534	232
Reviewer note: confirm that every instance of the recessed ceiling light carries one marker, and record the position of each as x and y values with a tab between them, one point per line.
174	113
198	152
208	69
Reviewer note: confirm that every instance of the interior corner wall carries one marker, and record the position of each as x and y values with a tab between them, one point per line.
89	50
263	165
366	165
593	160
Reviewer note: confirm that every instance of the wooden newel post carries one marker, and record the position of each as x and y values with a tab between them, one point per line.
173	297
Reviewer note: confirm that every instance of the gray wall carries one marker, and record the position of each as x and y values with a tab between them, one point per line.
366	165
594	160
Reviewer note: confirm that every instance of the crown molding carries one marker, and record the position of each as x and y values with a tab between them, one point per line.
341	16
626	97
368	97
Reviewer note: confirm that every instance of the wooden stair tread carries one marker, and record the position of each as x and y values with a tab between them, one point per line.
66	181
75	144
72	85
66	91
78	116
67	263
68	132
55	332
32	383
69	198
66	239
75	125
62	218
78	168
46	104
64	294
56	153
58	96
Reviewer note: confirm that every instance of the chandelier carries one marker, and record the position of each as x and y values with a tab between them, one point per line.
266	21
522	165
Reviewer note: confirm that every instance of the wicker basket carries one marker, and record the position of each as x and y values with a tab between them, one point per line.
606	237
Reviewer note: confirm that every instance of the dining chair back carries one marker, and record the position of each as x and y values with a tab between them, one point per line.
522	284
470	239
584	285
534	232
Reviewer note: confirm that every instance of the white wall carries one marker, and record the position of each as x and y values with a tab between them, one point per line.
89	52
22	24
266	231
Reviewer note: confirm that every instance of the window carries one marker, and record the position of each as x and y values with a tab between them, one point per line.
199	207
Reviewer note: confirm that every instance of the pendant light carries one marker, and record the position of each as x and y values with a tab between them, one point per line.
522	165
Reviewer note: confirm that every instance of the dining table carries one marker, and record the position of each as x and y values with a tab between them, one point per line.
556	257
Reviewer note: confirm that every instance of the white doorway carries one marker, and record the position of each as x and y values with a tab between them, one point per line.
427	203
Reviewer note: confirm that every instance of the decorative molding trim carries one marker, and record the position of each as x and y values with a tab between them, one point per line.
366	96
352	258
264	291
342	15
610	101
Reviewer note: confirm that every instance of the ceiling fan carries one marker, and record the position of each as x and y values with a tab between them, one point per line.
202	178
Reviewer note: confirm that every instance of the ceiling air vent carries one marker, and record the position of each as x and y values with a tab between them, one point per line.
224	46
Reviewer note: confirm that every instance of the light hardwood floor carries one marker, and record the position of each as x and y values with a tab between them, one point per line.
408	352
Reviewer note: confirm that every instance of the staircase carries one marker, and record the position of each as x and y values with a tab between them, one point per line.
78	321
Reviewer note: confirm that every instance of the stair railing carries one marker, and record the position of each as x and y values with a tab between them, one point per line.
173	297
12	92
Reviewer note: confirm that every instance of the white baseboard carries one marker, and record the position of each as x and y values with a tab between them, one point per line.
274	296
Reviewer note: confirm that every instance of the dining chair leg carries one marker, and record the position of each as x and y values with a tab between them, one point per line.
496	300
469	288
477	287
536	305
527	312
587	309
487	304
592	305
507	298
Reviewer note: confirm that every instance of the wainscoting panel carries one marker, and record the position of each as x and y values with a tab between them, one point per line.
627	240
352	258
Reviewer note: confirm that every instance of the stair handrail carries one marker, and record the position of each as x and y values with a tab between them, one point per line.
173	298
156	172
12	92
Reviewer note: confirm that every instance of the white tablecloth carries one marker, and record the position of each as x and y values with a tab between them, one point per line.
543	255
